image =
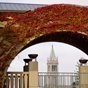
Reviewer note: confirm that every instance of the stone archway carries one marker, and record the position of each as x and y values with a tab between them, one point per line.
64	23
75	39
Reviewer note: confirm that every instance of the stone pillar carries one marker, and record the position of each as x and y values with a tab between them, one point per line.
26	66
33	72
83	76
83	73
31	66
26	69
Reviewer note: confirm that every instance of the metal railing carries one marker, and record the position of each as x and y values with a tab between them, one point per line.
58	80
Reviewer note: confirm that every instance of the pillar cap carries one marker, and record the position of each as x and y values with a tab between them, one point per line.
32	56
83	61
27	60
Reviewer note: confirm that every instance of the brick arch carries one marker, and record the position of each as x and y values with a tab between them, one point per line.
64	23
77	40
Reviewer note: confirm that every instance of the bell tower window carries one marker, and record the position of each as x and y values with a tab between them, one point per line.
54	68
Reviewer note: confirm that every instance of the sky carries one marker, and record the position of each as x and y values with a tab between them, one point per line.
77	2
68	56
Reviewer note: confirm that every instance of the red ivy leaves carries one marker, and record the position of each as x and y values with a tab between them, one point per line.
49	18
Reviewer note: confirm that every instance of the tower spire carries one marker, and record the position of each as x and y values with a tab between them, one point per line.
52	54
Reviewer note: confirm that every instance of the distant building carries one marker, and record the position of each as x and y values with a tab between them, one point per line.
18	7
52	70
52	62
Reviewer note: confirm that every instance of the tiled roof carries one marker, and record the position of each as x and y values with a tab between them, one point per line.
19	6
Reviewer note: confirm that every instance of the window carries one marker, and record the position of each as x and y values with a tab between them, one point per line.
54	68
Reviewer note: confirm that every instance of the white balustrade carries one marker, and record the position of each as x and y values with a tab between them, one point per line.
17	79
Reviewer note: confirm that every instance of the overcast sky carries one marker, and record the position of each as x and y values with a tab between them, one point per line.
78	2
68	56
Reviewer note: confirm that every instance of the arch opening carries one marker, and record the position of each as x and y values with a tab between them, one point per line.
68	56
77	40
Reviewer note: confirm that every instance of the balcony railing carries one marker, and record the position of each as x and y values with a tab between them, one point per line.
58	80
47	80
17	80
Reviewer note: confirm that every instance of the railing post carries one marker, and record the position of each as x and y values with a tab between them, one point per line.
16	81
21	81
12	80
25	81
